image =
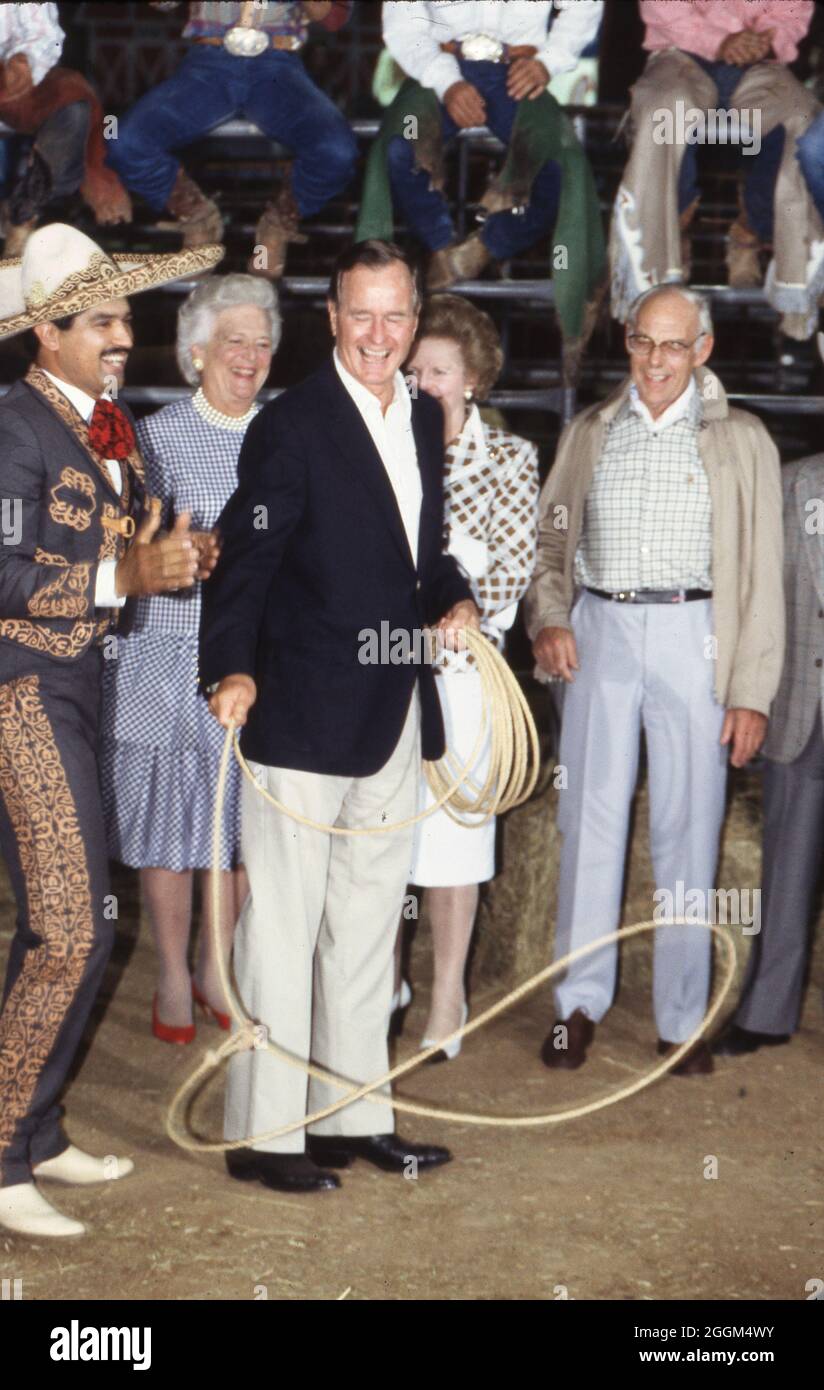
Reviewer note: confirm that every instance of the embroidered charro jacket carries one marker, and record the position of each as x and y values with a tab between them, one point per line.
59	517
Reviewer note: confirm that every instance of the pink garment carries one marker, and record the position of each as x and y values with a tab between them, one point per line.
700	26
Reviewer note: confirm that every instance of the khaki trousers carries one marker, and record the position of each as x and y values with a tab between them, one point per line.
314	947
645	235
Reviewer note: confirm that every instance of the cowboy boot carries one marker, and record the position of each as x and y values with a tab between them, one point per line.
685	222
278	225
16	238
197	216
26	202
463	261
743	263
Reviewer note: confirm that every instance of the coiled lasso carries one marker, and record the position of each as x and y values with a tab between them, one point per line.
513	772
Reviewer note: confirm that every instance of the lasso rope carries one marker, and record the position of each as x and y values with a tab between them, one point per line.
514	757
514	761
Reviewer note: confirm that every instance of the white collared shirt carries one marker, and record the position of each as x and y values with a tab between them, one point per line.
393	438
105	594
413	31
676	411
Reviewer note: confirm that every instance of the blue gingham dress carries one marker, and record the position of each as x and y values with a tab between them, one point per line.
160	745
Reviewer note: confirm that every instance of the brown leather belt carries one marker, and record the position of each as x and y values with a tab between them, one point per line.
282	41
510	53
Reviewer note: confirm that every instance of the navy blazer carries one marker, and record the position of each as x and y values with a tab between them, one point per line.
314	557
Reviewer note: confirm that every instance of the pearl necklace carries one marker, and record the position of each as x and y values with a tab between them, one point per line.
207	412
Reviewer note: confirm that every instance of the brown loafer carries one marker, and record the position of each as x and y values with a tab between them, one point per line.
567	1050
697	1062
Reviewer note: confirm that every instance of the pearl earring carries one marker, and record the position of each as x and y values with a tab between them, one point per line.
468	393
197	364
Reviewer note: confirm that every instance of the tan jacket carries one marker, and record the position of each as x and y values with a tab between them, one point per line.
743	471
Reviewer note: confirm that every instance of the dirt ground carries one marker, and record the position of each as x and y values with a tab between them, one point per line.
613	1206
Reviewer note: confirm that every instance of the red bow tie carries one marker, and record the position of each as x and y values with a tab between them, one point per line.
110	434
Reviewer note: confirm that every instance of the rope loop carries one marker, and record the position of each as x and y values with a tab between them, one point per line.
513	773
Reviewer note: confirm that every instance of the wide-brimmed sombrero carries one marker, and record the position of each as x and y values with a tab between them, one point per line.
62	271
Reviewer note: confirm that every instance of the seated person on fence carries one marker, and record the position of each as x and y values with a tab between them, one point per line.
720	62
59	108
479	64
257	74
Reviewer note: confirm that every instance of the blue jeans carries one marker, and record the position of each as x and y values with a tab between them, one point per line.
425	210
762	168
810	151
210	86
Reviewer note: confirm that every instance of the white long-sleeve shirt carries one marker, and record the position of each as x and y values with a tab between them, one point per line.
35	31
413	31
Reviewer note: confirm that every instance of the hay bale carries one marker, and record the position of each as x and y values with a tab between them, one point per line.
517	912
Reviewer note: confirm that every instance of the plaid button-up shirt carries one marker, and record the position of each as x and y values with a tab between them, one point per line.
648	515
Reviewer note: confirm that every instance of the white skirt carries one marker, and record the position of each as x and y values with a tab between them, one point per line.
445	854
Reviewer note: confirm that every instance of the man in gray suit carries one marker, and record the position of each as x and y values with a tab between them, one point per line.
793	783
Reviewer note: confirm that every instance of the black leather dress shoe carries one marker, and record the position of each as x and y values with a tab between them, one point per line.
283	1172
387	1151
737	1041
567	1051
697	1062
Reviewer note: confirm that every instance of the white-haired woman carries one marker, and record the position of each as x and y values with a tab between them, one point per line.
161	746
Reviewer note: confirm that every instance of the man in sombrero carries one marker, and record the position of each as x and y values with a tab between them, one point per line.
78	539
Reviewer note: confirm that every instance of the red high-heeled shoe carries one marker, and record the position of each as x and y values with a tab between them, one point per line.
166	1032
223	1021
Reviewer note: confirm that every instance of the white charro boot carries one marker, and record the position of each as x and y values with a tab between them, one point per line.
26	1212
79	1169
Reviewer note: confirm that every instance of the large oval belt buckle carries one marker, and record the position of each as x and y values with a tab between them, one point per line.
243	42
482	48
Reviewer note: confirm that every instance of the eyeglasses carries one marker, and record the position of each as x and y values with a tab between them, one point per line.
641	346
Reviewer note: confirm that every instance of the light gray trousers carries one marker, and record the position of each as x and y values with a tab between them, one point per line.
650	667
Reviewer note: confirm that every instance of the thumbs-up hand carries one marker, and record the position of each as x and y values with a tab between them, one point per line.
156	562
208	546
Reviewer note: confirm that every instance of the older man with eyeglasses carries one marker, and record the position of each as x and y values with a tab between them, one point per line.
657	600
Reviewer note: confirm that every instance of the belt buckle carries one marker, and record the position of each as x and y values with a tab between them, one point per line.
482	48
244	42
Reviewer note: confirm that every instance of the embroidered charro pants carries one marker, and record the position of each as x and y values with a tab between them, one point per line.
53	841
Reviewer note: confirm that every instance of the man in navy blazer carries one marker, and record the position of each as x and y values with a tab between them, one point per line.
335	529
